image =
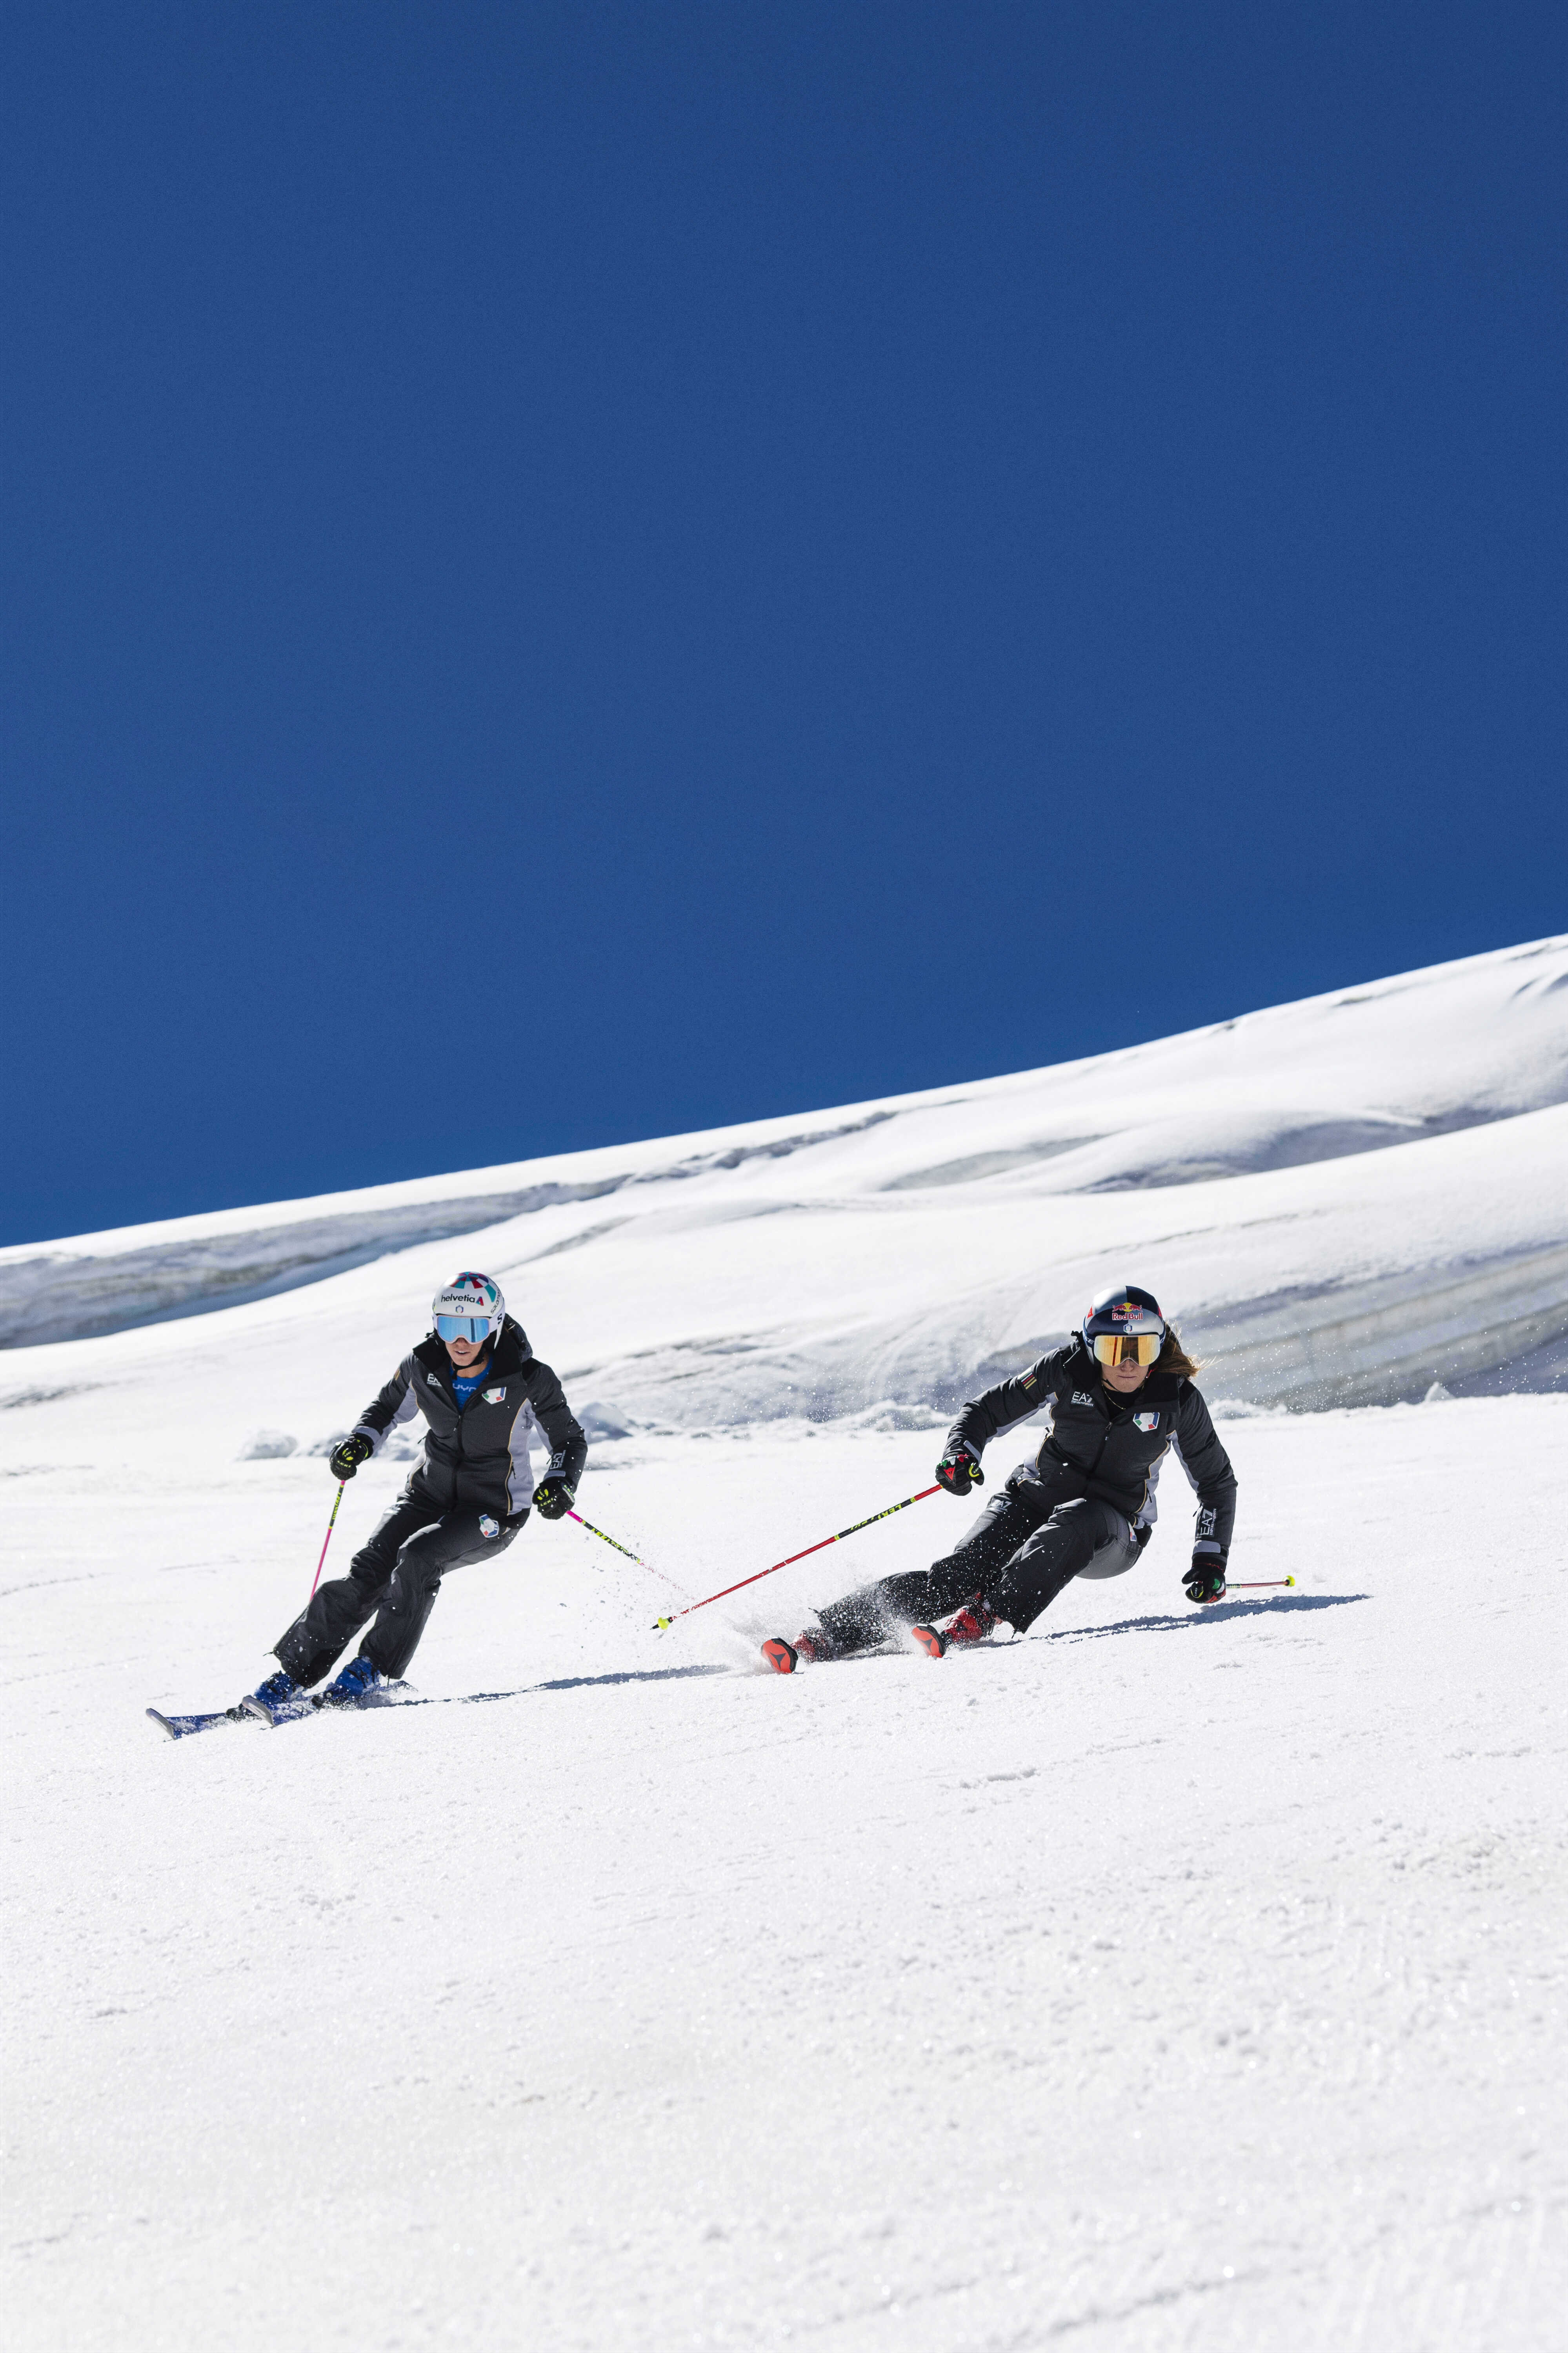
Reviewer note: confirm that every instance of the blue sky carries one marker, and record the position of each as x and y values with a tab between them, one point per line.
575	572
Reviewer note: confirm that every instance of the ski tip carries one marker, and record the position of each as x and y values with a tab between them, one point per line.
780	1655
935	1645
180	1727
286	1711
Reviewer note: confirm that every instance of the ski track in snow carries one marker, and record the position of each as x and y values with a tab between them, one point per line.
1163	1980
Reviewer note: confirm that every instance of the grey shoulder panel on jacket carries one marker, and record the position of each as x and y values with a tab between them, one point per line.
562	1429
1009	1402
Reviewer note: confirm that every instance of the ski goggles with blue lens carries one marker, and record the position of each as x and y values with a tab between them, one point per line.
463	1328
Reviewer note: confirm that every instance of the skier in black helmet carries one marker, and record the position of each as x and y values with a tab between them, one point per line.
1120	1396
486	1399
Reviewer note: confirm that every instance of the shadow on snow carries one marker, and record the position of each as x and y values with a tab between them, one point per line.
1214	1613
563	1683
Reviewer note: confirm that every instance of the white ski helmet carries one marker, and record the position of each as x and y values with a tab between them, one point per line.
470	1308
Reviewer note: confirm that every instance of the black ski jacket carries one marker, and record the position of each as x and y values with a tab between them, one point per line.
481	1459
1109	1447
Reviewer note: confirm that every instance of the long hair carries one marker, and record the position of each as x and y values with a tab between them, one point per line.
1173	1356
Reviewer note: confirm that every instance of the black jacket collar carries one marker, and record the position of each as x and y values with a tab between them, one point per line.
1160	1388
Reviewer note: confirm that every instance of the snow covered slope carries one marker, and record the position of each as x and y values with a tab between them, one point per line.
1342	1200
1166	1982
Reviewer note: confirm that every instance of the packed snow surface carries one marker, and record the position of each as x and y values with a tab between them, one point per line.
1166	1981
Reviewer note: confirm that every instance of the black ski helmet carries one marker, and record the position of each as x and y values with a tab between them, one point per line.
1124	1312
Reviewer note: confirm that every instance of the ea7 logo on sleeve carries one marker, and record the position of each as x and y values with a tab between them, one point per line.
1146	1422
1207	1522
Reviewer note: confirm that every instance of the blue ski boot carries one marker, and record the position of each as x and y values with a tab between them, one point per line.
277	1689
355	1682
279	1701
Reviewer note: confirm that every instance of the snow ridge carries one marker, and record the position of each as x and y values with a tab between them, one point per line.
1345	1199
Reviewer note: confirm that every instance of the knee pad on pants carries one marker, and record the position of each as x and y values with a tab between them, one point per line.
1112	1559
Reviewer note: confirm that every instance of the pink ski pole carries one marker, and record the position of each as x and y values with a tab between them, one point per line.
326	1541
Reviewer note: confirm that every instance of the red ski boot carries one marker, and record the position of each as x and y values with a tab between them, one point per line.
785	1657
970	1625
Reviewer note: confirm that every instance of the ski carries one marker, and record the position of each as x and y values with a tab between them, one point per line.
180	1727
287	1711
296	1710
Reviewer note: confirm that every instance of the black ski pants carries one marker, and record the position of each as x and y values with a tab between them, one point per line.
1028	1541
395	1579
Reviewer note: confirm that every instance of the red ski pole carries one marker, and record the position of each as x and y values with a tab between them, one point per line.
1259	1585
660	1623
326	1541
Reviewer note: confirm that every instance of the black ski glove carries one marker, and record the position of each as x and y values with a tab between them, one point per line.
1205	1580
346	1459
956	1469
553	1499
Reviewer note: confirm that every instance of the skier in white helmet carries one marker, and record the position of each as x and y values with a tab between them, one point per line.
486	1399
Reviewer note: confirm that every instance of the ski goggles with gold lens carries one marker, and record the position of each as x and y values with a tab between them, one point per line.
1127	1348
